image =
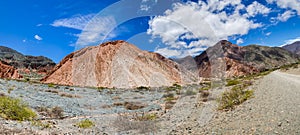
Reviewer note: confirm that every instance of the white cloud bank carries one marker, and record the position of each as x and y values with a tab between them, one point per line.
37	37
290	41
203	23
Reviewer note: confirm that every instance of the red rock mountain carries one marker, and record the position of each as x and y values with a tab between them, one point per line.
229	60
7	71
29	66
117	64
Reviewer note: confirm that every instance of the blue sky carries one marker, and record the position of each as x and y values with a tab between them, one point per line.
174	28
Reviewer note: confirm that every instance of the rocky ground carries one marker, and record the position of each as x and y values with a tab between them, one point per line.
274	109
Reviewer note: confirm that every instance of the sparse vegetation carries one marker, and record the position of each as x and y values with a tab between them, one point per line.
55	112
205	88
235	96
52	91
143	88
51	85
146	117
190	92
10	89
232	82
85	124
15	109
63	94
175	87
100	89
41	124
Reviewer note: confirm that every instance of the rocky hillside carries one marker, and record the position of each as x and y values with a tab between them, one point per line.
227	60
7	71
117	64
294	47
25	63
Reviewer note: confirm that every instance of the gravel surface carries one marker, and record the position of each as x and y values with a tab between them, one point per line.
275	109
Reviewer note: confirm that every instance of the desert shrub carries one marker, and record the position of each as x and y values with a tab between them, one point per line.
41	124
174	87
146	117
204	88
205	94
15	109
52	91
51	85
64	94
190	92
235	96
168	95
85	124
55	112
10	89
168	99
100	89
143	88
232	82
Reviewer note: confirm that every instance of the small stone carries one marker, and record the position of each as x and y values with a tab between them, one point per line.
287	121
279	124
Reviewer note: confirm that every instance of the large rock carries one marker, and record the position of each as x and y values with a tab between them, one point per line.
117	64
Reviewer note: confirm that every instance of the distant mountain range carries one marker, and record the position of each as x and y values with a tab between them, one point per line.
25	64
294	47
123	65
120	64
232	60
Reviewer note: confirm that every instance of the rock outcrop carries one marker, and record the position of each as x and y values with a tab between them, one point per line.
9	72
229	60
117	64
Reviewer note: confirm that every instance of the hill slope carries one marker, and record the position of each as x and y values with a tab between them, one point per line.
294	47
116	64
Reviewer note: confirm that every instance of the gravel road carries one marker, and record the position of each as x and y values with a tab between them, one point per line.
275	109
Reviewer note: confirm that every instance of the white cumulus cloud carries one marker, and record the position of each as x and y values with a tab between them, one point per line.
287	4
203	23
257	8
37	37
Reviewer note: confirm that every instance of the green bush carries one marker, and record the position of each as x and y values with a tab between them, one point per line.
232	82
175	87
85	124
51	85
15	109
235	96
205	88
